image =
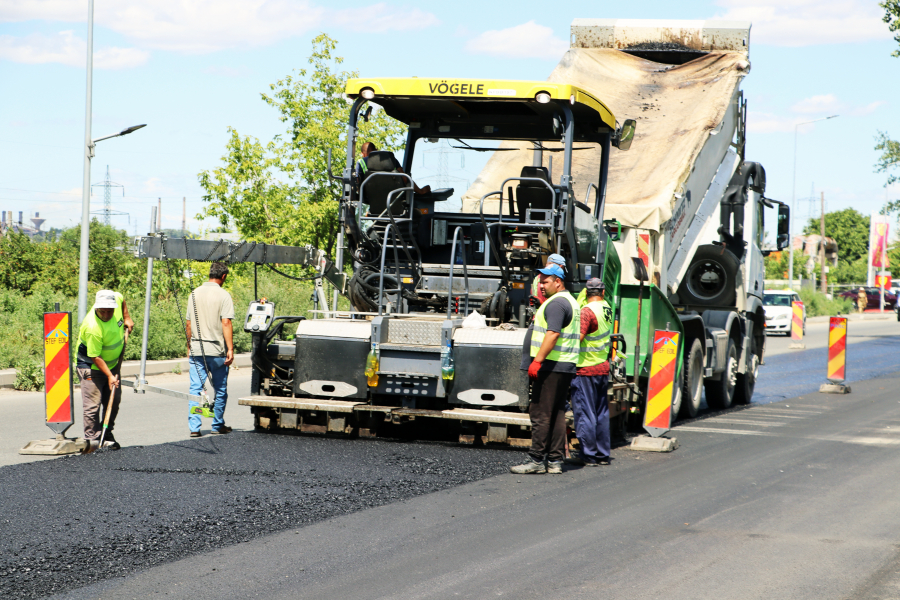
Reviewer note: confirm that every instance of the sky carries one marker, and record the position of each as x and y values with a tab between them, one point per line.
190	69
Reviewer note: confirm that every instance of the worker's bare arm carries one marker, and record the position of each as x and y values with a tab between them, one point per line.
228	331
129	322
188	333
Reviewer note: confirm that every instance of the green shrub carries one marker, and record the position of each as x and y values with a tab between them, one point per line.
817	304
29	376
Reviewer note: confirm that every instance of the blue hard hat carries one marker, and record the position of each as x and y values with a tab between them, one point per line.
553	269
557	259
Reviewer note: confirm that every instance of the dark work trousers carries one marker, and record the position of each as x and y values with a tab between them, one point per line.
95	392
548	415
591	407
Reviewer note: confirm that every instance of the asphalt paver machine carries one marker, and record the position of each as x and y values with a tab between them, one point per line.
419	269
675	228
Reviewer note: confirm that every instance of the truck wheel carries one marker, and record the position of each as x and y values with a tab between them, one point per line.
710	279
720	394
692	388
746	383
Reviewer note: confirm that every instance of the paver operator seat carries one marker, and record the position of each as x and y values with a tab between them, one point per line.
531	194
377	190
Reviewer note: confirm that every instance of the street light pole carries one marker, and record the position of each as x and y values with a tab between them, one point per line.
86	185
794	202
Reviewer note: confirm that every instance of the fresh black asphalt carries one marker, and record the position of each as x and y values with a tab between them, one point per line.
74	521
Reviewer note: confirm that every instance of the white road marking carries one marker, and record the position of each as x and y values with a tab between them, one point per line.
716	430
728	421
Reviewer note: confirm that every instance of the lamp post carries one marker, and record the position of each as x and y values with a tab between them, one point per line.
794	199
86	185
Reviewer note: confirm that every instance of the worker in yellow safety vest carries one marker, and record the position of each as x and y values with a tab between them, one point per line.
554	351
588	393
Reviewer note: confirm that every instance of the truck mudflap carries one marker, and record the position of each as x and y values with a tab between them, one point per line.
314	415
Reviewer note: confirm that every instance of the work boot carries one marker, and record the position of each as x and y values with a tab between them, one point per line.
554	467
111	445
575	460
529	467
225	429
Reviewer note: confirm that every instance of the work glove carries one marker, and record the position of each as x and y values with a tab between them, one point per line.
533	369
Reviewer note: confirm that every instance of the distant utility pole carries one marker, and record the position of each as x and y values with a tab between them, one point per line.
822	246
183	215
159	215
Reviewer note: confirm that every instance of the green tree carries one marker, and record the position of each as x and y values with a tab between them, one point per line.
851	230
892	18
281	193
889	159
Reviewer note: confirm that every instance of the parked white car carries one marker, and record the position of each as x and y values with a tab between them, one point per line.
777	304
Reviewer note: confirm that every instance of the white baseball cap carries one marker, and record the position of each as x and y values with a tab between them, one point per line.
105	299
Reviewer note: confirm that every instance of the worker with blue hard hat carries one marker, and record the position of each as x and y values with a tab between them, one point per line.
552	355
553	259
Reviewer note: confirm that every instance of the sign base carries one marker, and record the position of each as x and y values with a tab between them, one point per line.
797	346
834	388
57	447
645	443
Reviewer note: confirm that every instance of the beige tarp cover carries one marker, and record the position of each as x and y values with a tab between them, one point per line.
675	107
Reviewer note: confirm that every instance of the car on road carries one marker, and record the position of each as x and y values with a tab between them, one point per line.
777	305
873	297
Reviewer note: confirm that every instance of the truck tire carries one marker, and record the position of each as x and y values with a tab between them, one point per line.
710	279
692	386
720	394
746	383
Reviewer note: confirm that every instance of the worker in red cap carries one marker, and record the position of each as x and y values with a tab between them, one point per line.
589	400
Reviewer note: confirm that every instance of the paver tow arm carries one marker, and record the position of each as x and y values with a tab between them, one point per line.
158	247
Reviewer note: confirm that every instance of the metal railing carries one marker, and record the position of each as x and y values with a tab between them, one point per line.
399	288
465	274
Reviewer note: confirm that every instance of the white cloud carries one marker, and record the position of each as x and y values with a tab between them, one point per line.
379	18
761	122
808	22
817	104
67	49
808	109
528	40
868	109
202	26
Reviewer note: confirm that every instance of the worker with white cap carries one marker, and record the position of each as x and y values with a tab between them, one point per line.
101	345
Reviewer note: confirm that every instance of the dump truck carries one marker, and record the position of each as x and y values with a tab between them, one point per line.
661	205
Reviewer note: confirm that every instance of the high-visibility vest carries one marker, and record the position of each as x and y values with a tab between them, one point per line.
568	343
595	346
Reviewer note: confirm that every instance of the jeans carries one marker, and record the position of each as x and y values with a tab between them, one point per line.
591	407
218	377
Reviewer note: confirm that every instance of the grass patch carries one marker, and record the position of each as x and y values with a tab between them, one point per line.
818	305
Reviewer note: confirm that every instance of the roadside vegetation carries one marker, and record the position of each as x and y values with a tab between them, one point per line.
35	275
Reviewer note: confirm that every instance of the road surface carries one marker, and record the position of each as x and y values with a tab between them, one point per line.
784	499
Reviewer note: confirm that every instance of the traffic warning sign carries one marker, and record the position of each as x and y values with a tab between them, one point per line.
661	387
58	371
837	349
796	321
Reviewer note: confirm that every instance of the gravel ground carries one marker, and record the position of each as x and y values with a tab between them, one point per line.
79	520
